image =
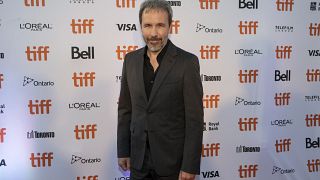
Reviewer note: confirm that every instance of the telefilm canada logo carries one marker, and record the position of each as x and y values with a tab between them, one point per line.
242	101
2	107
315	6
312	98
36	26
79	159
283	28
81	1
206	29
28	81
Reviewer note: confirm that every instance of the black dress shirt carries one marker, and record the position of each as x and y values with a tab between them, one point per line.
149	75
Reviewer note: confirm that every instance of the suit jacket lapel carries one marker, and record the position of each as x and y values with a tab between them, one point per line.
140	79
165	67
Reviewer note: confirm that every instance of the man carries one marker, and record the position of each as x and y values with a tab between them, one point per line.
160	112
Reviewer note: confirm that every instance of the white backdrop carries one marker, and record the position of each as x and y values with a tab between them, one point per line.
240	110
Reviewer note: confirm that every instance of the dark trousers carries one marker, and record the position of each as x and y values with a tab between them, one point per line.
147	171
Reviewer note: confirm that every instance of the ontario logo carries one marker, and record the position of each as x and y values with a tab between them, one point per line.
78	159
241	101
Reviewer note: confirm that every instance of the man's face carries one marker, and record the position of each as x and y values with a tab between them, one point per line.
155	29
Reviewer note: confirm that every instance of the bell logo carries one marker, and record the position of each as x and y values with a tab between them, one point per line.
126	3
122	51
284	5
248	171
39	107
283	52
313	75
282	99
246	27
283	145
77	54
33	3
88	178
314	29
40	159
209	52
250	4
37	53
82	26
83	79
313	165
1	80
282	77
211	101
248	124
312	120
2	134
209	4
84	132
210	150
248	76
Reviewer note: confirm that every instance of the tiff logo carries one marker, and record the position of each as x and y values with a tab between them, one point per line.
211	101
248	28
209	4
313	165
283	52
126	3
210	150
248	171
1	80
84	132
248	76
284	5
175	25
283	145
122	51
41	160
33	3
209	52
312	120
282	99
39	107
37	53
248	124
313	75
250	4
82	26
314	29
83	79
88	177
2	134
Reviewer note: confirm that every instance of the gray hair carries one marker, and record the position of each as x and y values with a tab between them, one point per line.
158	5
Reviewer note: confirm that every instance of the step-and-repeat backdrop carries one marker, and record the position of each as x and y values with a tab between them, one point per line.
60	72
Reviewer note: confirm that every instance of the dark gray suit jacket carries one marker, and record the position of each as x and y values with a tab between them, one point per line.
173	115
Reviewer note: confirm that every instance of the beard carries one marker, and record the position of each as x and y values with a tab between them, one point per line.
155	44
